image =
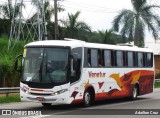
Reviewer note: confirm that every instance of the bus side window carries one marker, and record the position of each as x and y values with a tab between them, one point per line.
119	59
107	58
140	59
94	57
77	54
130	62
149	60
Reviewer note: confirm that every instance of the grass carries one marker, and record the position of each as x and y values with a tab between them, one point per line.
10	98
157	85
7	59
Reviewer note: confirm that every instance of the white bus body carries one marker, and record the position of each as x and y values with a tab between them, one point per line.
66	72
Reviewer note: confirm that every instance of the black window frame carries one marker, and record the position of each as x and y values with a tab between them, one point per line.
151	63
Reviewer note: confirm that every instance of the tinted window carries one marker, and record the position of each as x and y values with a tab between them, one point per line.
46	65
119	57
130	59
149	62
77	54
94	57
140	59
107	58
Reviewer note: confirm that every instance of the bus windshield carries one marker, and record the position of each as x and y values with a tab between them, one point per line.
45	65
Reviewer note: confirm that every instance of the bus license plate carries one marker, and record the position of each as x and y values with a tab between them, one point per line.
40	98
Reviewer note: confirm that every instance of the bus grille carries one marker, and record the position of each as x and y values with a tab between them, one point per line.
30	98
48	94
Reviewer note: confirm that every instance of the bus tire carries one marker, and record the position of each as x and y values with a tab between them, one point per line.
46	104
134	93
88	98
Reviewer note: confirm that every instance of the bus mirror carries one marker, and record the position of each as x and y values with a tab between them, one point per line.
18	61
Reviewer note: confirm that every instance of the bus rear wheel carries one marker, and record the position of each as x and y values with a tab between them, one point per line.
46	104
134	93
88	98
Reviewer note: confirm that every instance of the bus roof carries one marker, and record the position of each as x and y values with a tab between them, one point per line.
63	43
76	43
117	47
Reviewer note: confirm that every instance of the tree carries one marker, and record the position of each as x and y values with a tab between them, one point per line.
48	9
74	27
8	10
107	37
134	22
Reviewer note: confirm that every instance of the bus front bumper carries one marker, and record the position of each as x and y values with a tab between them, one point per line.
54	100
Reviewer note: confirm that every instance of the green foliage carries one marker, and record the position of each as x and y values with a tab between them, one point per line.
4	27
7	63
10	98
157	85
75	28
7	10
107	37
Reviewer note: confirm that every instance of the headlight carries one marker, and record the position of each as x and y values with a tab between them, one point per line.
25	89
59	92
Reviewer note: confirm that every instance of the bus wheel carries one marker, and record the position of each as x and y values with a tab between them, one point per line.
46	104
87	98
134	93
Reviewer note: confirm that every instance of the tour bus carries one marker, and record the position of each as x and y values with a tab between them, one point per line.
71	71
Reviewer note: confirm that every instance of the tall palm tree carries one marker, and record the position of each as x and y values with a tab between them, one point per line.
134	22
73	26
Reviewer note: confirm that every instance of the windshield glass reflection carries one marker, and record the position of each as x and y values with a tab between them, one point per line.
45	65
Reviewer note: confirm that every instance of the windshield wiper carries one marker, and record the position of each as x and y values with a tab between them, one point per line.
48	74
39	71
34	76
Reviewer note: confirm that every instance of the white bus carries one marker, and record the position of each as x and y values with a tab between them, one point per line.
72	71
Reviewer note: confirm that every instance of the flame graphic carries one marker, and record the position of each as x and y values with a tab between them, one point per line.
117	78
136	78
